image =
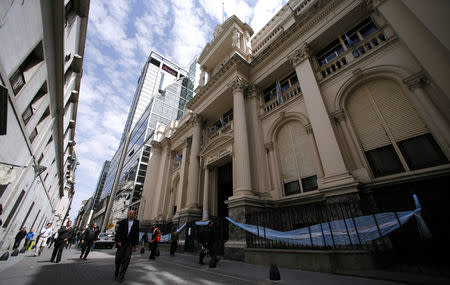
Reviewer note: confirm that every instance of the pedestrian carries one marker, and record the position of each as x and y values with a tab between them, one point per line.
127	238
209	239
64	234
88	239
156	237
19	237
29	239
52	239
44	235
173	242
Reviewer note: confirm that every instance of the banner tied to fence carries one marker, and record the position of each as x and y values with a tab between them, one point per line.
350	231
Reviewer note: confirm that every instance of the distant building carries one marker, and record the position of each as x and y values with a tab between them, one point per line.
100	184
41	57
333	101
163	90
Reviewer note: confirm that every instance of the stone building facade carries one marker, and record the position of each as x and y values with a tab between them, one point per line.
331	101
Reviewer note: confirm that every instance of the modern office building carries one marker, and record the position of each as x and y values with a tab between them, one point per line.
100	185
332	103
41	57
163	90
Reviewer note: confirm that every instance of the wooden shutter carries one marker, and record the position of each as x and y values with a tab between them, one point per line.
303	150
398	113
365	120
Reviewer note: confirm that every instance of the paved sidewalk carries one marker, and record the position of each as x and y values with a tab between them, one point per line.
181	269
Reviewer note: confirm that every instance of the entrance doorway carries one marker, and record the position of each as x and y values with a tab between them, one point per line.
224	190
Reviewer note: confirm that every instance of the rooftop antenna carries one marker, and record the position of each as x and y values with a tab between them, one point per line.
223	12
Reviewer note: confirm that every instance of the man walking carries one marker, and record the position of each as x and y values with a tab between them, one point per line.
88	239
210	238
127	238
156	237
173	242
64	234
44	235
19	237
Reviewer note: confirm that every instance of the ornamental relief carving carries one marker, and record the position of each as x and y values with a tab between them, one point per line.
238	84
300	55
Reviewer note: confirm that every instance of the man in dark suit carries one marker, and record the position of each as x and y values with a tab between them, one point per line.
64	234
127	238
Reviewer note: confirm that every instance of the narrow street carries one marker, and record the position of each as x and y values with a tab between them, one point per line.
181	269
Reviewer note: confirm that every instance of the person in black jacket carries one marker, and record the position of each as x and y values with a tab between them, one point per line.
127	238
88	238
64	234
19	237
209	239
156	237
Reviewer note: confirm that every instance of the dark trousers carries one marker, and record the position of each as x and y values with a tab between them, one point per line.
153	249
212	253
57	251
16	243
173	248
123	256
86	248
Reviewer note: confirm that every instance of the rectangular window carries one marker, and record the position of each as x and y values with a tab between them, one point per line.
14	209
40	158
329	52
309	183
35	219
270	93
27	215
27	68
384	161
3	109
33	135
2	189
155	62
421	152
291	188
27	114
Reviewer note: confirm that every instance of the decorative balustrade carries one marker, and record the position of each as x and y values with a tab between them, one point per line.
286	96
369	44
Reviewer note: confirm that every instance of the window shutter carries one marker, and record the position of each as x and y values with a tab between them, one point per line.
303	150
287	159
365	120
399	114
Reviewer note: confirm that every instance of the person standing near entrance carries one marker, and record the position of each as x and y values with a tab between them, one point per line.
19	237
44	235
88	239
209	240
64	234
127	238
173	242
156	237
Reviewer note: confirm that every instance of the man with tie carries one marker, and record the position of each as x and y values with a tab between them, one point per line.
127	238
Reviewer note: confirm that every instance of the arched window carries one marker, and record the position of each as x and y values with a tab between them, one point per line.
393	136
296	159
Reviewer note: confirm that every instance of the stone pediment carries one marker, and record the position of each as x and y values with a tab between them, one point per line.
219	143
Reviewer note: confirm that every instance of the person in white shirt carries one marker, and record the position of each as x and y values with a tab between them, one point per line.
45	234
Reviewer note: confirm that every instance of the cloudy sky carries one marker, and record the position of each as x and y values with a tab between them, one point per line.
120	36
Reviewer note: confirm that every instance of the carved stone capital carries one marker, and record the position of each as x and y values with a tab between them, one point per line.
156	147
252	91
187	141
418	80
268	146
238	84
196	120
309	129
300	55
338	115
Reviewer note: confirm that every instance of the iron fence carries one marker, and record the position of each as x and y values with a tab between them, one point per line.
304	216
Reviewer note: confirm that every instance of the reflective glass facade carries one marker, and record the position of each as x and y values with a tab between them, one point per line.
100	184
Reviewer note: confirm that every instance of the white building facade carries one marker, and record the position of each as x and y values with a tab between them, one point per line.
40	66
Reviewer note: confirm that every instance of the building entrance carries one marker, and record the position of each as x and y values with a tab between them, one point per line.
224	190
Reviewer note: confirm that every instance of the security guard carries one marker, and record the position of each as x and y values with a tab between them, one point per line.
156	238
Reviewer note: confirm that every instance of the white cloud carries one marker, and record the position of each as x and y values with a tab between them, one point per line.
263	11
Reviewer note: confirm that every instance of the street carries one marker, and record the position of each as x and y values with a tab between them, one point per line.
181	269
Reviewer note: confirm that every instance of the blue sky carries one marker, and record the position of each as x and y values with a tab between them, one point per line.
121	34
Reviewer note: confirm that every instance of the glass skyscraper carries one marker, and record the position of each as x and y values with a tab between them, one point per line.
163	90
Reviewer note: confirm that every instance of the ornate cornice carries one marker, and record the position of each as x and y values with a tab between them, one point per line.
238	84
418	80
300	55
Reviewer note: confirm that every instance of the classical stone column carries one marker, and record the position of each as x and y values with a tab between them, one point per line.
160	182
205	213
425	47
180	191
242	171
274	181
432	116
334	168
151	175
194	165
